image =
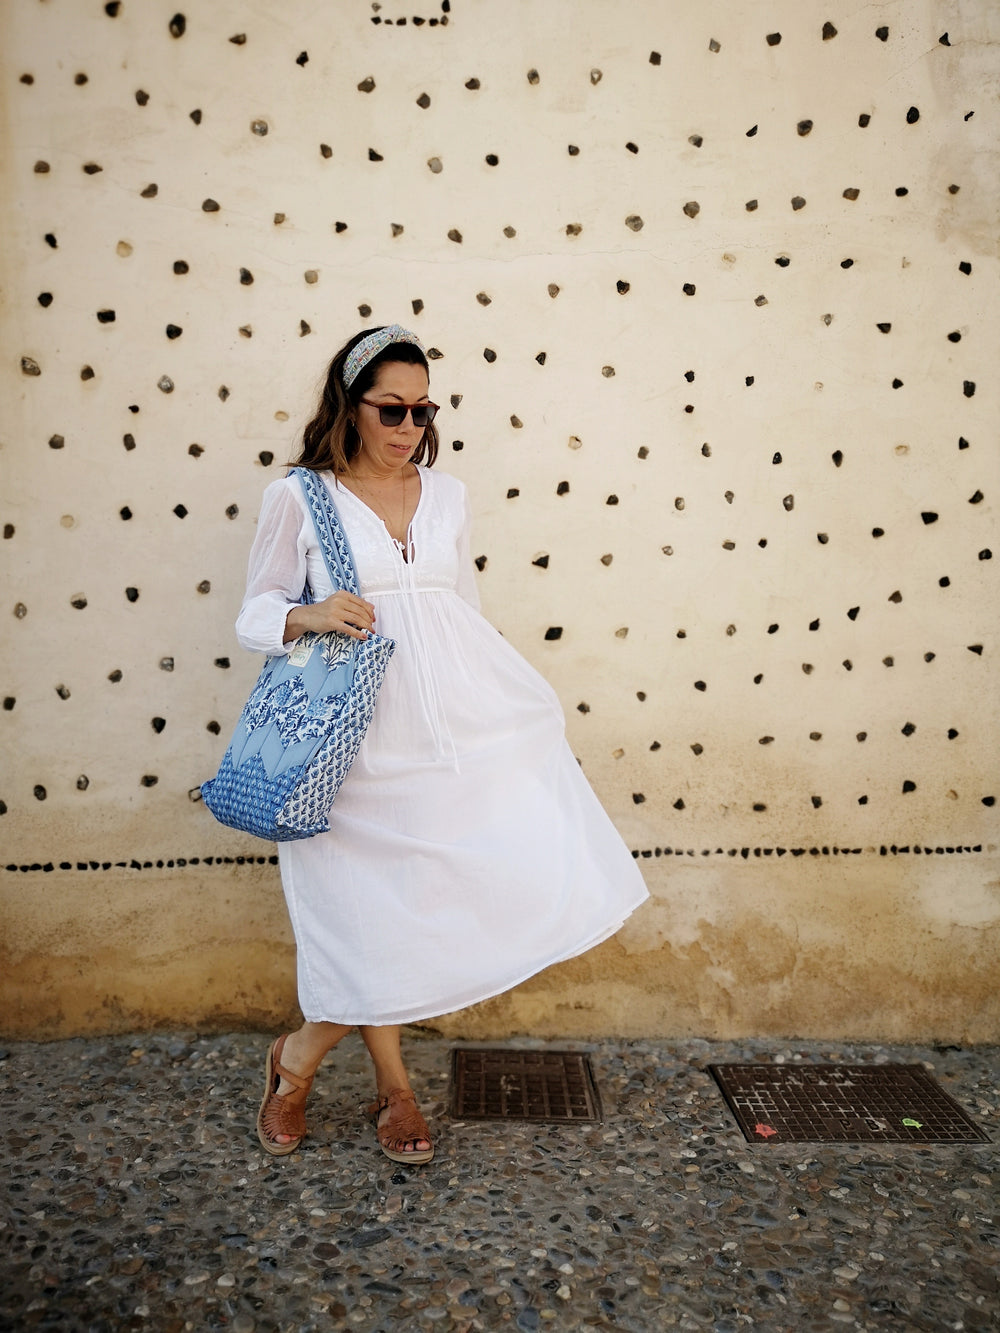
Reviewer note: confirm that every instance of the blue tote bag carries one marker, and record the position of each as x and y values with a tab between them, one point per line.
307	715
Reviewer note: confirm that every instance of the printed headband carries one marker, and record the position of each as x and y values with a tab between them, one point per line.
370	346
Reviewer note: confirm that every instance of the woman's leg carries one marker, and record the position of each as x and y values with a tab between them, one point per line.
390	1073
301	1054
385	1050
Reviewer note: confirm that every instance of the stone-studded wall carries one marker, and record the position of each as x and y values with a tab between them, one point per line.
711	289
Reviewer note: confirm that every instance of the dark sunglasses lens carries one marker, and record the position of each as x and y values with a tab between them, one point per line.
391	415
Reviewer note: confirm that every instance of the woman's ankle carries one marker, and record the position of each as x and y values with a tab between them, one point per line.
296	1056
303	1050
391	1080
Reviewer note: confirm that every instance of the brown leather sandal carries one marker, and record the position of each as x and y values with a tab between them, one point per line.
281	1114
405	1125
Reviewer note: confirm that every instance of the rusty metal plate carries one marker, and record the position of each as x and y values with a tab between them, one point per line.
803	1103
498	1084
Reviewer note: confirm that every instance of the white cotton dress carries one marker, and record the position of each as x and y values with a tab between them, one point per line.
466	849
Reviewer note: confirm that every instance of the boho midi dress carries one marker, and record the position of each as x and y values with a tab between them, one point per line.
466	849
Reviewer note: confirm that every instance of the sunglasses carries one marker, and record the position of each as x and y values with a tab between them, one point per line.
393	414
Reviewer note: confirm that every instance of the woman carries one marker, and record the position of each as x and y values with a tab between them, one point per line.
466	851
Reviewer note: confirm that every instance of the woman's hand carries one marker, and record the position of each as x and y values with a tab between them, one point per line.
343	611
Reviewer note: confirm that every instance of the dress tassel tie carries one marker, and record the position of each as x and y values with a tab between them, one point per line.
417	634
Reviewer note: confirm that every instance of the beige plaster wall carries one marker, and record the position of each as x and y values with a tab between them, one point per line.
718	363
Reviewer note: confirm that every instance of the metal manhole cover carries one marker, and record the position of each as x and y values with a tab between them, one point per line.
842	1104
496	1084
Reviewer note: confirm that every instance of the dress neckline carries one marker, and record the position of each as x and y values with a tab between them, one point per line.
404	550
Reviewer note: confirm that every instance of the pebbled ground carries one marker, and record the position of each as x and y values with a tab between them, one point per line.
138	1198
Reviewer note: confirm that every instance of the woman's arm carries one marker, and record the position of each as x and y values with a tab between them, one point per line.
272	616
343	612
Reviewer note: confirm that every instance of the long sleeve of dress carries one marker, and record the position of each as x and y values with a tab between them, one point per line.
276	574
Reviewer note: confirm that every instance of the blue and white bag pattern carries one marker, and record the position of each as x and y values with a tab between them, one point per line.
307	715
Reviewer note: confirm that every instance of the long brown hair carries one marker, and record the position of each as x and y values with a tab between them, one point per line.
331	441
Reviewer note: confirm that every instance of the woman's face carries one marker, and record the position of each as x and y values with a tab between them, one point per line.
390	447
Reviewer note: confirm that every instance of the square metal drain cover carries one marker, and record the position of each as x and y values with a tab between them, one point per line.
843	1104
497	1084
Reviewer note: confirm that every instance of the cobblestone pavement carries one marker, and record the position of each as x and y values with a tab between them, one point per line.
138	1198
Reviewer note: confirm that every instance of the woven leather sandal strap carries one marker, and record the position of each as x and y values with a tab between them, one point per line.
282	1117
390	1099
405	1124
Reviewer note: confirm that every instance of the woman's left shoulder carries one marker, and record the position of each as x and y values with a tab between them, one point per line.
443	485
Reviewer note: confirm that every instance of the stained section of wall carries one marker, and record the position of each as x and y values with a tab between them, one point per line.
709	297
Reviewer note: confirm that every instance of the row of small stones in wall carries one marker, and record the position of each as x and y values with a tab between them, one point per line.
40	793
927	516
159	724
79	602
182	862
177	27
691	208
107	315
542	560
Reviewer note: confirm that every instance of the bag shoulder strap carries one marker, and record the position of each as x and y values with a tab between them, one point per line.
332	537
